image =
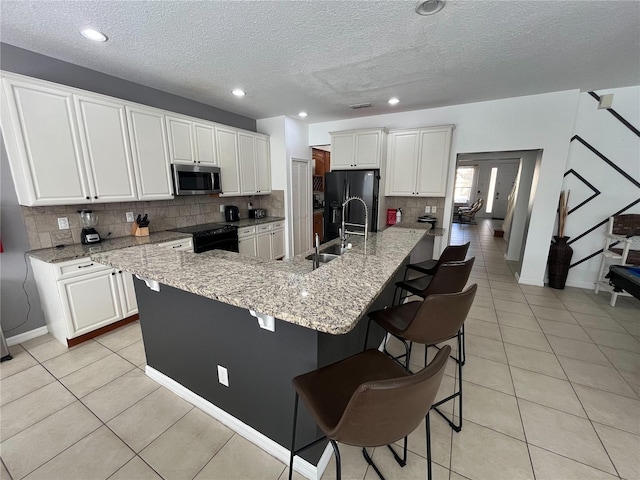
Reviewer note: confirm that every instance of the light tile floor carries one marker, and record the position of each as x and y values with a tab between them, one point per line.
551	388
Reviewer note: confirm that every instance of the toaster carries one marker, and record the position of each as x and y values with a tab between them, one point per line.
257	213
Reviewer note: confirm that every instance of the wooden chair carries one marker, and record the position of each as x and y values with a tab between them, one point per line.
622	232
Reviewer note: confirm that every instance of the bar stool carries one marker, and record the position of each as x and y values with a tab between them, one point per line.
453	253
449	278
368	400
434	320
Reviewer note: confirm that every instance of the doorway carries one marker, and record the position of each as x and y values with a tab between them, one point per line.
500	176
301	204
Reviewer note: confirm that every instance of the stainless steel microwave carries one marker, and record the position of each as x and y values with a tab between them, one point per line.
196	179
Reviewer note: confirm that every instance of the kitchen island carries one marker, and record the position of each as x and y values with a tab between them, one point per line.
202	317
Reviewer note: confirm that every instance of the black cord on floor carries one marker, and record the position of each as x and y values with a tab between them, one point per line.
26	294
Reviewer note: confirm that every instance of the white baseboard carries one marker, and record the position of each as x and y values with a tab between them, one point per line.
580	284
23	337
273	448
530	281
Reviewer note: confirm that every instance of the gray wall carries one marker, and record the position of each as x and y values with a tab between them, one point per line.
13	302
26	62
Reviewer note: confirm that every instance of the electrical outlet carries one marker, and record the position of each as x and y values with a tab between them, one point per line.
63	223
130	217
427	209
221	208
223	376
433	209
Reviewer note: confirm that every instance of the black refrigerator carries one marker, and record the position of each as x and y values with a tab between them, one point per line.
340	185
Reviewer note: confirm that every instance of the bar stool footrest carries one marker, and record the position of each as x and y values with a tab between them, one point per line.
369	460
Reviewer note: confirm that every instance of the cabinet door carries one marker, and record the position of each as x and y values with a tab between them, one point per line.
368	149
205	144
247	246
277	244
263	245
150	153
226	143
46	162
127	294
343	147
263	165
247	154
402	160
180	142
433	162
105	144
90	301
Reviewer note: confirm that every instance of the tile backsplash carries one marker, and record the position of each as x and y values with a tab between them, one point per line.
412	208
42	222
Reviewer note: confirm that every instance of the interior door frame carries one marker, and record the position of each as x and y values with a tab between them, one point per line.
290	248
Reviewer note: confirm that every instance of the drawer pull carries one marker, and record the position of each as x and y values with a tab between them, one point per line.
177	246
85	266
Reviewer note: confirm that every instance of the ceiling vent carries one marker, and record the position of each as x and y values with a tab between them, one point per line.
355	106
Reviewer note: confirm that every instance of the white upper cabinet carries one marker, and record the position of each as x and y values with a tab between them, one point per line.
191	141
205	144
105	145
358	149
247	156
181	148
227	149
418	162
150	153
263	164
39	128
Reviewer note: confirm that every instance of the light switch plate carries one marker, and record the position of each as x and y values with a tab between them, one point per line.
221	208
130	217
427	209
63	223
433	209
223	376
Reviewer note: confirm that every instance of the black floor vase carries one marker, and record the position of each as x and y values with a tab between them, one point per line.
559	261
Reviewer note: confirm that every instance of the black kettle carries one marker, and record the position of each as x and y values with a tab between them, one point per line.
231	213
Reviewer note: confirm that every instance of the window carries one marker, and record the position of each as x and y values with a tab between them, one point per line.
463	185
492	188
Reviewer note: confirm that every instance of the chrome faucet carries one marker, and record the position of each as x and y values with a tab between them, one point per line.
316	256
343	231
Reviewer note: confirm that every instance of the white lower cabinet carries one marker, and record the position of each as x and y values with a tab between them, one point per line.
265	240
182	245
79	296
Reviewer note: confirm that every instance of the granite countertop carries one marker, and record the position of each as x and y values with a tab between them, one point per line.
77	250
433	232
330	299
249	222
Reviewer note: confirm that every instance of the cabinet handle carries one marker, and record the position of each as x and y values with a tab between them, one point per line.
177	246
88	198
113	273
96	197
85	266
120	271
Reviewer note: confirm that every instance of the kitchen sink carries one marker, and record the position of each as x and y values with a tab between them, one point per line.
323	257
333	250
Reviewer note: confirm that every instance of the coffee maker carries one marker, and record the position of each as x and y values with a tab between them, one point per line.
88	220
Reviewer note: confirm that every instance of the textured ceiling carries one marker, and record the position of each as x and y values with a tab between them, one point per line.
321	56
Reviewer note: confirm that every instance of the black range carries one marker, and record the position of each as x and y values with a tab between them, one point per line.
212	236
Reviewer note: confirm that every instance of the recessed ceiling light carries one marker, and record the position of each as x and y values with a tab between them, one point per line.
302	114
238	92
394	101
429	7
94	35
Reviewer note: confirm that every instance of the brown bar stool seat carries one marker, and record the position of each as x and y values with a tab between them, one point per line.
453	253
451	277
438	318
368	400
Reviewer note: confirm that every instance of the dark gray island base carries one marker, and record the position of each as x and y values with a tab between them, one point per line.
187	336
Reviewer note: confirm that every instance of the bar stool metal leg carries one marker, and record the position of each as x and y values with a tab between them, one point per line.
428	429
293	436
455	427
337	453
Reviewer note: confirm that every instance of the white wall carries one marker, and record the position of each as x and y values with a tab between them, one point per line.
289	138
622	147
525	123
